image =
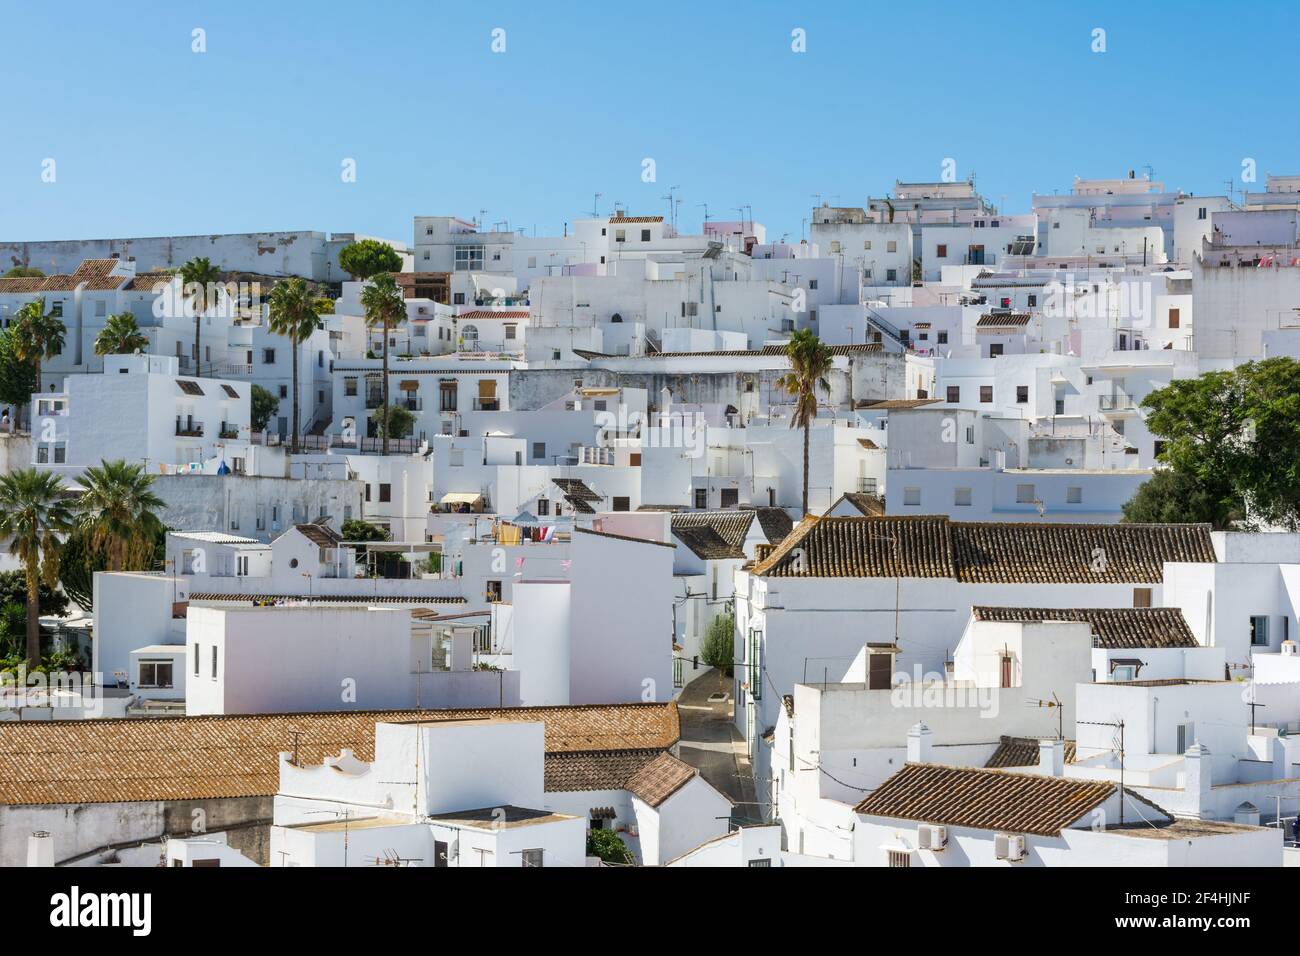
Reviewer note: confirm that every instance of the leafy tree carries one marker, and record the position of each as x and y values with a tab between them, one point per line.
117	511
367	258
79	559
17	378
354	529
1236	434
384	307
38	335
261	406
24	272
810	361
1175	497
120	335
719	647
397	419
292	312
34	511
607	845
200	275
13	590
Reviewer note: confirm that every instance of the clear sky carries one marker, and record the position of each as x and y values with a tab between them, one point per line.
151	138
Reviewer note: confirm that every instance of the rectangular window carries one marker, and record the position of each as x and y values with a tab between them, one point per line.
156	674
943	338
1033	301
214	662
941	251
645	235
912	497
891	275
900	858
961	497
350	386
493	591
954	394
756	665
701	498
196	660
1025	494
1074	495
1259	630
543	507
1173	318
1141	597
268	356
729	497
986	393
385	492
539	451
1022	394
622	503
891	246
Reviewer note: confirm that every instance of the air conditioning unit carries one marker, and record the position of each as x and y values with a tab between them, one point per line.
1010	847
930	837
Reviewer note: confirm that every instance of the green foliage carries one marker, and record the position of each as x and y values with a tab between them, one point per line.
23	272
120	336
400	419
1174	497
118	510
34	513
607	845
368	258
17	378
1235	435
13	590
719	647
354	529
262	406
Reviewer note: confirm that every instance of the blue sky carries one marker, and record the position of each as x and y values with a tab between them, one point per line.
151	138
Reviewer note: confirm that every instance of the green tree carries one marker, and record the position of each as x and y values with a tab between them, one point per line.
261	406
354	529
1236	435
79	560
367	258
292	312
117	512
384	306
395	421
34	511
718	649
1172	497
17	378
199	278
38	335
810	362
24	272
607	845
120	335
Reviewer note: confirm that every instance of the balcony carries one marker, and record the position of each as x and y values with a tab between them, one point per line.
487	404
228	432
374	399
1116	403
411	403
188	428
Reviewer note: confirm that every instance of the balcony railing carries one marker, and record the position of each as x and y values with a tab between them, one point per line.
229	432
374	399
487	404
189	428
1115	403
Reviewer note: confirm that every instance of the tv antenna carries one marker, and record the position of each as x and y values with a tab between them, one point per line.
1055	702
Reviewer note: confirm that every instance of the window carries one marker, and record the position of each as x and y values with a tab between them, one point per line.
622	503
1074	495
214	662
493	591
756	664
1022	394
468	258
447	396
532	858
1186	736
812	283
157	674
284	391
196	660
350	386
268	356
729	497
954	394
1141	597
1033	301
943	338
941	251
1259	630
970	434
645	235
543	507
961	497
701	498
912	497
866	243
765	862
1025	494
1200	213
900	858
458	298
835	246
56	309
385	492
539	451
891	246
511	330
891	275
986	393
1173	318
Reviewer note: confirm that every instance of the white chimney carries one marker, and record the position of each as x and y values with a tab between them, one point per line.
919	744
1246	813
665	401
40	849
1288	648
1051	757
1197	779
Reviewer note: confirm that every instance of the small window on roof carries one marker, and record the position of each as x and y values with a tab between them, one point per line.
230	391
188	387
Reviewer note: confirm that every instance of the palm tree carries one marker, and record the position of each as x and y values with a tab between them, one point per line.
34	512
120	336
116	512
38	335
292	312
204	275
810	361
384	307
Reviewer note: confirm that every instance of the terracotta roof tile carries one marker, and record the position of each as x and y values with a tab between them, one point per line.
731	524
634	219
776	524
596	769
985	799
1022	752
706	543
489	314
660	779
190	758
1112	627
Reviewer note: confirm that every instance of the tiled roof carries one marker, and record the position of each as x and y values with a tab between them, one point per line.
776	524
1021	752
931	546
94	273
898	403
731	524
489	314
96	269
870	505
771	351
1004	320
660	779
578	489
194	758
595	769
319	534
635	219
145	281
624	537
706	543
985	799
1112	627
327	598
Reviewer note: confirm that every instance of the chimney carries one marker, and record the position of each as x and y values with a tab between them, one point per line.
1279	758
40	849
1197	775
919	744
665	401
1288	648
1246	813
1051	758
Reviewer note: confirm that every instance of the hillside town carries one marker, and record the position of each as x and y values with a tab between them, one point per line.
941	535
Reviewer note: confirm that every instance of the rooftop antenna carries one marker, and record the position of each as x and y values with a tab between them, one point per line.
1060	712
595	205
706	210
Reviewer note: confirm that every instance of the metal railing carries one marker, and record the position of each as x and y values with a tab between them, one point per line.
189	428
